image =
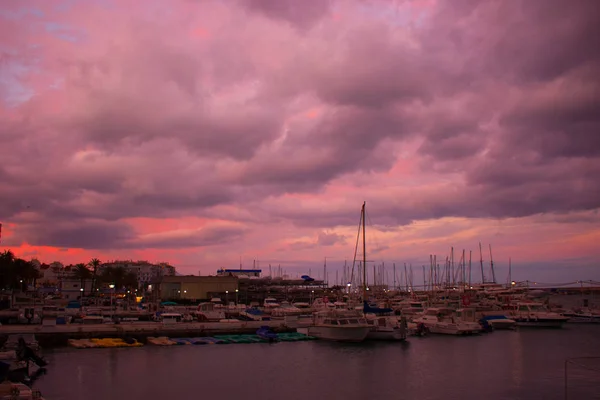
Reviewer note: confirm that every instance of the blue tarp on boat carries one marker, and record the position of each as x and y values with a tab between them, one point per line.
375	310
490	317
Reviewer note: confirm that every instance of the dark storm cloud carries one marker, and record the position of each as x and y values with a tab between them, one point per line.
168	123
301	14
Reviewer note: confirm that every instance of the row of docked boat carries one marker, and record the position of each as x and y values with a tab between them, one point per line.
380	324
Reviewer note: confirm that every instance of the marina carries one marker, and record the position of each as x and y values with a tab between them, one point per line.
300	200
511	364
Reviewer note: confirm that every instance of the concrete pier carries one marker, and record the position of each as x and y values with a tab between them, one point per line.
59	335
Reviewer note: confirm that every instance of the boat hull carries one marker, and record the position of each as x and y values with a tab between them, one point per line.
391	334
540	323
503	324
583	318
339	334
444	329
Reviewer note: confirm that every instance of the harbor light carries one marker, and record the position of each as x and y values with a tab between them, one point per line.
513	283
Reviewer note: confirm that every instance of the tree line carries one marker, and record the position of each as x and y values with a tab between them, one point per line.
18	274
118	276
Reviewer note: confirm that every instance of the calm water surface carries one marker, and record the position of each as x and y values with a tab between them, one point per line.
527	364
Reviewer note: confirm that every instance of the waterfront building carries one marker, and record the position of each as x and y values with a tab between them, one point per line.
147	273
240	273
71	288
198	287
51	274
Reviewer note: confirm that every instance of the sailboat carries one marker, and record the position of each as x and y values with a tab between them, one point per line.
340	325
384	325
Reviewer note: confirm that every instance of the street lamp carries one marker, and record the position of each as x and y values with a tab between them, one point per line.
226	296
236	297
112	288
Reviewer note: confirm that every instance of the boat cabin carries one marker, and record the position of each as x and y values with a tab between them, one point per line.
170	318
92	319
341	321
530	307
270	302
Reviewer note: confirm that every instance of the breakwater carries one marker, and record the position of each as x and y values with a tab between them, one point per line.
59	335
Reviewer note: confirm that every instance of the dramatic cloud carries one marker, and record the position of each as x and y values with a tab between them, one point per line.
216	129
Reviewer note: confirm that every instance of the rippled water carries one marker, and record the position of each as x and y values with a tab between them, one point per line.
527	364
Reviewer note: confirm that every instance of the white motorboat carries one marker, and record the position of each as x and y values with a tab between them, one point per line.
286	309
536	315
270	303
170	318
338	326
209	312
583	316
386	327
443	320
498	322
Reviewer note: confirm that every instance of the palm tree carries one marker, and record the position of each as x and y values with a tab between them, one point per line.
7	259
83	274
94	263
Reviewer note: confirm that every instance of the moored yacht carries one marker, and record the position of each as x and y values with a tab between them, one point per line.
583	315
270	303
499	322
286	309
444	321
338	326
536	315
384	325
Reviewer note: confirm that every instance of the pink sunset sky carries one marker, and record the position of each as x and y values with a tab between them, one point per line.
199	132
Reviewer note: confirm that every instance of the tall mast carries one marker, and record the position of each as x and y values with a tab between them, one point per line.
364	243
492	264
481	263
509	273
464	270
470	254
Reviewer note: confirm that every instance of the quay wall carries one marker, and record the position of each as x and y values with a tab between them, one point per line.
59	335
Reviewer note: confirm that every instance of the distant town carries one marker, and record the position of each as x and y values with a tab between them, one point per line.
25	281
75	281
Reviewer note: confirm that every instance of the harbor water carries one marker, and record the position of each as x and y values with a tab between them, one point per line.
524	364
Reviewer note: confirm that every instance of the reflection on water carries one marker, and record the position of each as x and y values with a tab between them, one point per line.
515	349
528	364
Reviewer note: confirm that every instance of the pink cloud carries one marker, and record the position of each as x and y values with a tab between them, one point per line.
221	129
